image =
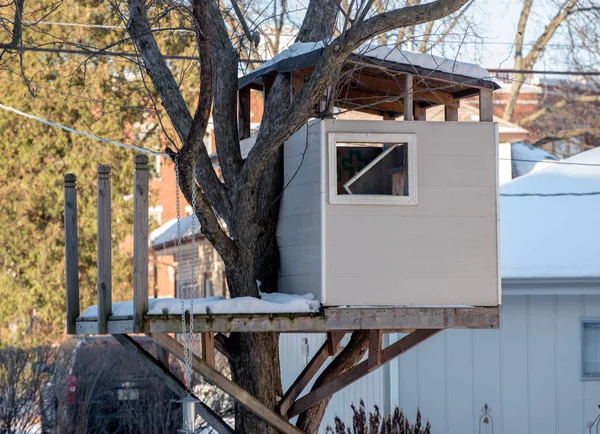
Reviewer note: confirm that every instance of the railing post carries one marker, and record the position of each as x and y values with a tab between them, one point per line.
104	249
71	253
140	242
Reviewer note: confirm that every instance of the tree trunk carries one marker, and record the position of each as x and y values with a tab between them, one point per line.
319	22
255	356
255	367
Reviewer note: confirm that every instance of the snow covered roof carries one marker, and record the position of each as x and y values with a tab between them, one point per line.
167	233
306	54
527	158
549	221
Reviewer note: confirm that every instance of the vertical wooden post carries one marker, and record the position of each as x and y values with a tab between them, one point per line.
420	113
140	242
244	112
451	113
208	348
71	252
104	249
375	338
486	106
408	97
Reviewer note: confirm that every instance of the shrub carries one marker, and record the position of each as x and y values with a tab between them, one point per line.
376	423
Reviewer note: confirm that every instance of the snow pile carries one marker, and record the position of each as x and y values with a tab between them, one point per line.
268	303
549	221
390	54
527	158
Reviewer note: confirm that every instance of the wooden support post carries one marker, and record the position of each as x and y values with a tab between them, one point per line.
296	83
244	112
71	252
104	249
172	382
226	385
358	371
329	348
208	348
387	116
375	339
408	97
486	106
420	113
333	342
451	113
140	242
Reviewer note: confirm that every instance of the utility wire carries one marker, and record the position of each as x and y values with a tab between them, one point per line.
81	133
591	193
561	162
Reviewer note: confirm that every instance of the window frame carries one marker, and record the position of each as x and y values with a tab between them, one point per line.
372	199
584	376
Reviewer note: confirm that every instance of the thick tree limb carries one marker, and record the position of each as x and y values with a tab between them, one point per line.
319	21
552	107
140	31
225	97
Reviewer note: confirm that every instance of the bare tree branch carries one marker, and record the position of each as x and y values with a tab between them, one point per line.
17	29
253	37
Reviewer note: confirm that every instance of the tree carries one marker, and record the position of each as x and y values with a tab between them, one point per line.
576	15
246	196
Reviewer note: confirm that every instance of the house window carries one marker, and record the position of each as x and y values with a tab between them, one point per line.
590	349
372	168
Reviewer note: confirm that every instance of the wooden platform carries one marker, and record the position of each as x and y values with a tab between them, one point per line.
330	319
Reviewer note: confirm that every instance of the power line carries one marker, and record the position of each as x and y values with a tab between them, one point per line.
561	162
534	71
81	133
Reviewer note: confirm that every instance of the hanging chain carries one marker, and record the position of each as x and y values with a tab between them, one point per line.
180	292
190	353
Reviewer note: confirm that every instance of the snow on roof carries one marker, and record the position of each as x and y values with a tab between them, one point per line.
167	233
549	221
528	158
267	303
302	54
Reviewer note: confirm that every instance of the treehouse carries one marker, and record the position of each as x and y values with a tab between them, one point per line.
385	213
388	223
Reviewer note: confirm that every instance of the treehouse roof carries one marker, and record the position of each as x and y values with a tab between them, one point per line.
377	71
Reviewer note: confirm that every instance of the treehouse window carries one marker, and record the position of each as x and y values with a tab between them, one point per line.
372	168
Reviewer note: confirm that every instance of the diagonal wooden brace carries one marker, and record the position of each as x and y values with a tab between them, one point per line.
226	385
359	371
172	382
329	348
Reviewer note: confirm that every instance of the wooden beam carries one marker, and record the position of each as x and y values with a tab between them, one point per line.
104	248
208	348
486	106
297	83
451	113
357	372
420	113
333	342
352	98
375	340
71	252
394	86
408	97
335	319
244	112
215	377
329	348
140	242
172	382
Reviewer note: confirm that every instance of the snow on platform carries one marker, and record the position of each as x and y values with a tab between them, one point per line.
550	221
268	303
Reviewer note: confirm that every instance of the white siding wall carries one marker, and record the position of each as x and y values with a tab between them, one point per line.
528	372
299	225
442	251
